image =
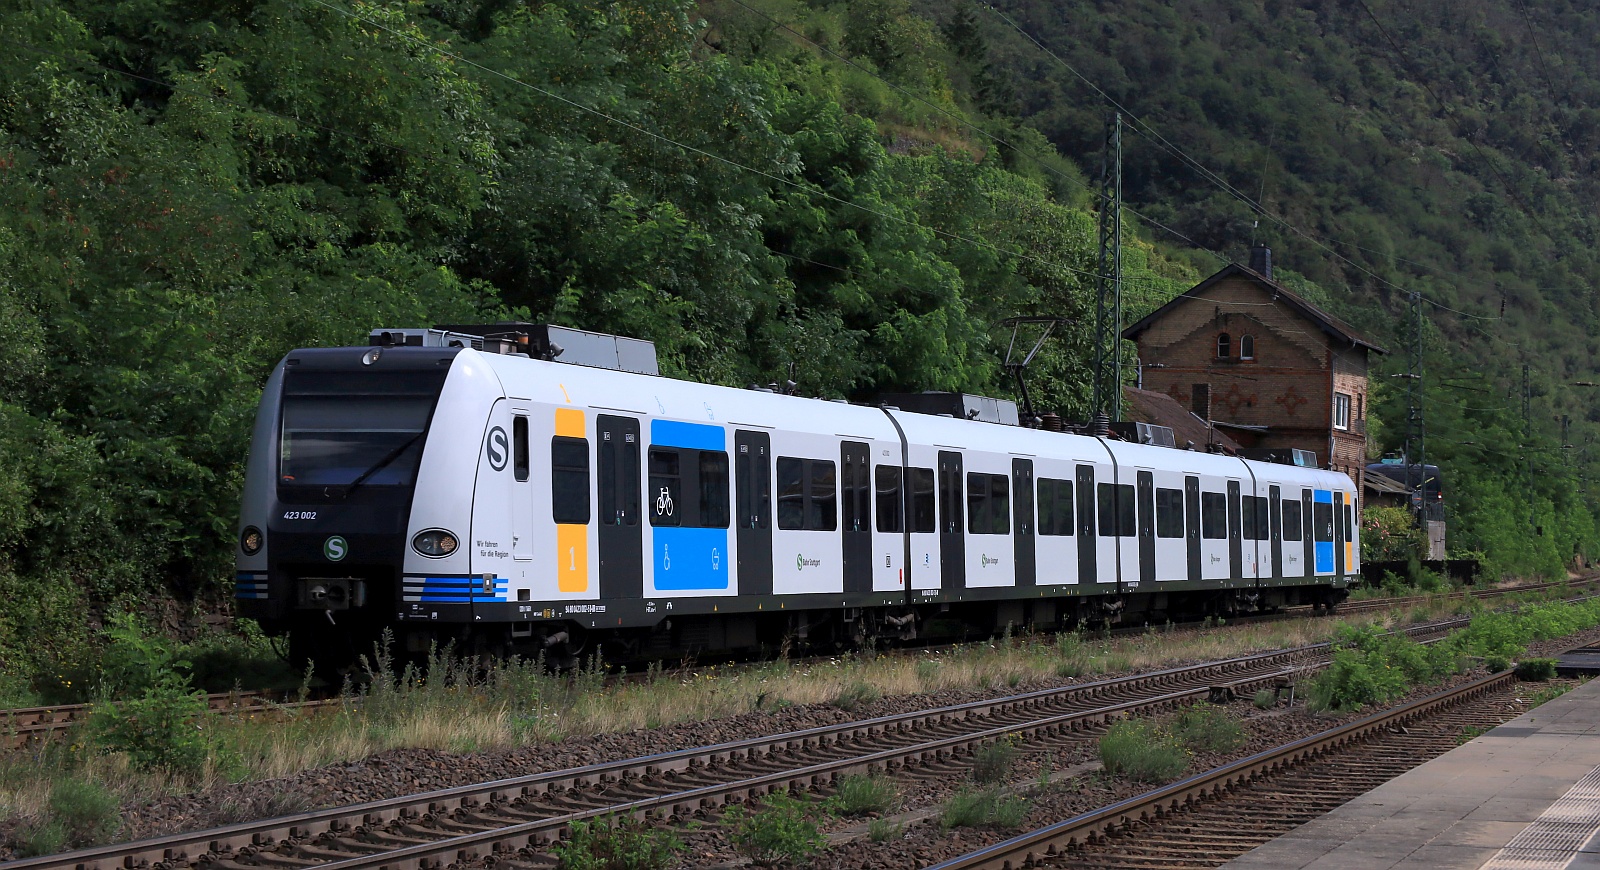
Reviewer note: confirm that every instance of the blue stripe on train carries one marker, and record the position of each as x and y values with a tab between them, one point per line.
695	436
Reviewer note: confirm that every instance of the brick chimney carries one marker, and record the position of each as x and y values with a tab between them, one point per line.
1261	261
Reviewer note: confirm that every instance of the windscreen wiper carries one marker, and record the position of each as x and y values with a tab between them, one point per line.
381	464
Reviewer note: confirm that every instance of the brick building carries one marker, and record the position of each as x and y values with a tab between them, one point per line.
1263	364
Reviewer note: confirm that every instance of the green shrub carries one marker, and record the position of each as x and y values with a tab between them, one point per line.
1536	670
80	813
859	795
44	837
1495	663
1206	728
991	762
971	808
162	729
784	829
1136	749
927	670
1265	699
855	696
612	843
1352	681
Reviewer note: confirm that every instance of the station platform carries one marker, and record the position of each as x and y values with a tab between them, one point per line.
1524	796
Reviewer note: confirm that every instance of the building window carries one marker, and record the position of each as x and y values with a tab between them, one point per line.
1247	347
1361	410
1200	400
1341	411
1224	346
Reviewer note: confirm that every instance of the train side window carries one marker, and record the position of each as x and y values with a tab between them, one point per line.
999	504
920	496
1348	523
1322	521
988	504
977	503
1263	520
791	493
1291	520
713	489
744	488
666	488
1118	517
569	480
630	481
519	440
822	512
1055	506
1127	513
1214	516
1169	513
890	506
1247	517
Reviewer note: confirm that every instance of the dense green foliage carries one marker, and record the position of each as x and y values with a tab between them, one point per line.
1375	667
857	190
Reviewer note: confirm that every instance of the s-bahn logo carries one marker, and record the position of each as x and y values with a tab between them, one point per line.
335	548
988	560
801	562
498	449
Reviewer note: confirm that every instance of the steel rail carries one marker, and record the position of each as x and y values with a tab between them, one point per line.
247	837
1052	842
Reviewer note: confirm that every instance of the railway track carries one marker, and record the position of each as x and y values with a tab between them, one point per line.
1213	817
524	815
30	725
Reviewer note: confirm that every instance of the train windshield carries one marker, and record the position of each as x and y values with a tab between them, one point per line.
349	429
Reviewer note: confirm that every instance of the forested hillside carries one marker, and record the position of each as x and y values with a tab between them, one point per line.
859	190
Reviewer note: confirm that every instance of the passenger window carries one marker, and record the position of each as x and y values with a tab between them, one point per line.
569	480
1118	516
1055	506
1322	520
988	504
519	439
1291	520
1127	515
1263	520
890	506
666	493
919	492
791	493
1169	513
1214	516
822	509
713	490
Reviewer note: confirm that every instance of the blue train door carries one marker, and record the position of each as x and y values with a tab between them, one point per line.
752	475
621	536
1322	528
952	528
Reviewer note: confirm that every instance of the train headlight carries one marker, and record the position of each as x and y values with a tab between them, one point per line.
435	543
250	540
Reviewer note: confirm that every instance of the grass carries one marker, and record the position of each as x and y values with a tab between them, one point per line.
1137	749
861	795
983	808
443	706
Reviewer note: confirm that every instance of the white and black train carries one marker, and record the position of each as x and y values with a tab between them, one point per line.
455	484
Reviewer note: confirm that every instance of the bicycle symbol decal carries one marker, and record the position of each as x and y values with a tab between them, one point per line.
664	502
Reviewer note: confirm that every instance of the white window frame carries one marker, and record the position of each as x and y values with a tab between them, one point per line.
1247	347
1341	411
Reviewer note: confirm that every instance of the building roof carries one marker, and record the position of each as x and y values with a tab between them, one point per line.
1331	325
1160	409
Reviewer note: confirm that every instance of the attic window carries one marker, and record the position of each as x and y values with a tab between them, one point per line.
1224	345
1247	347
